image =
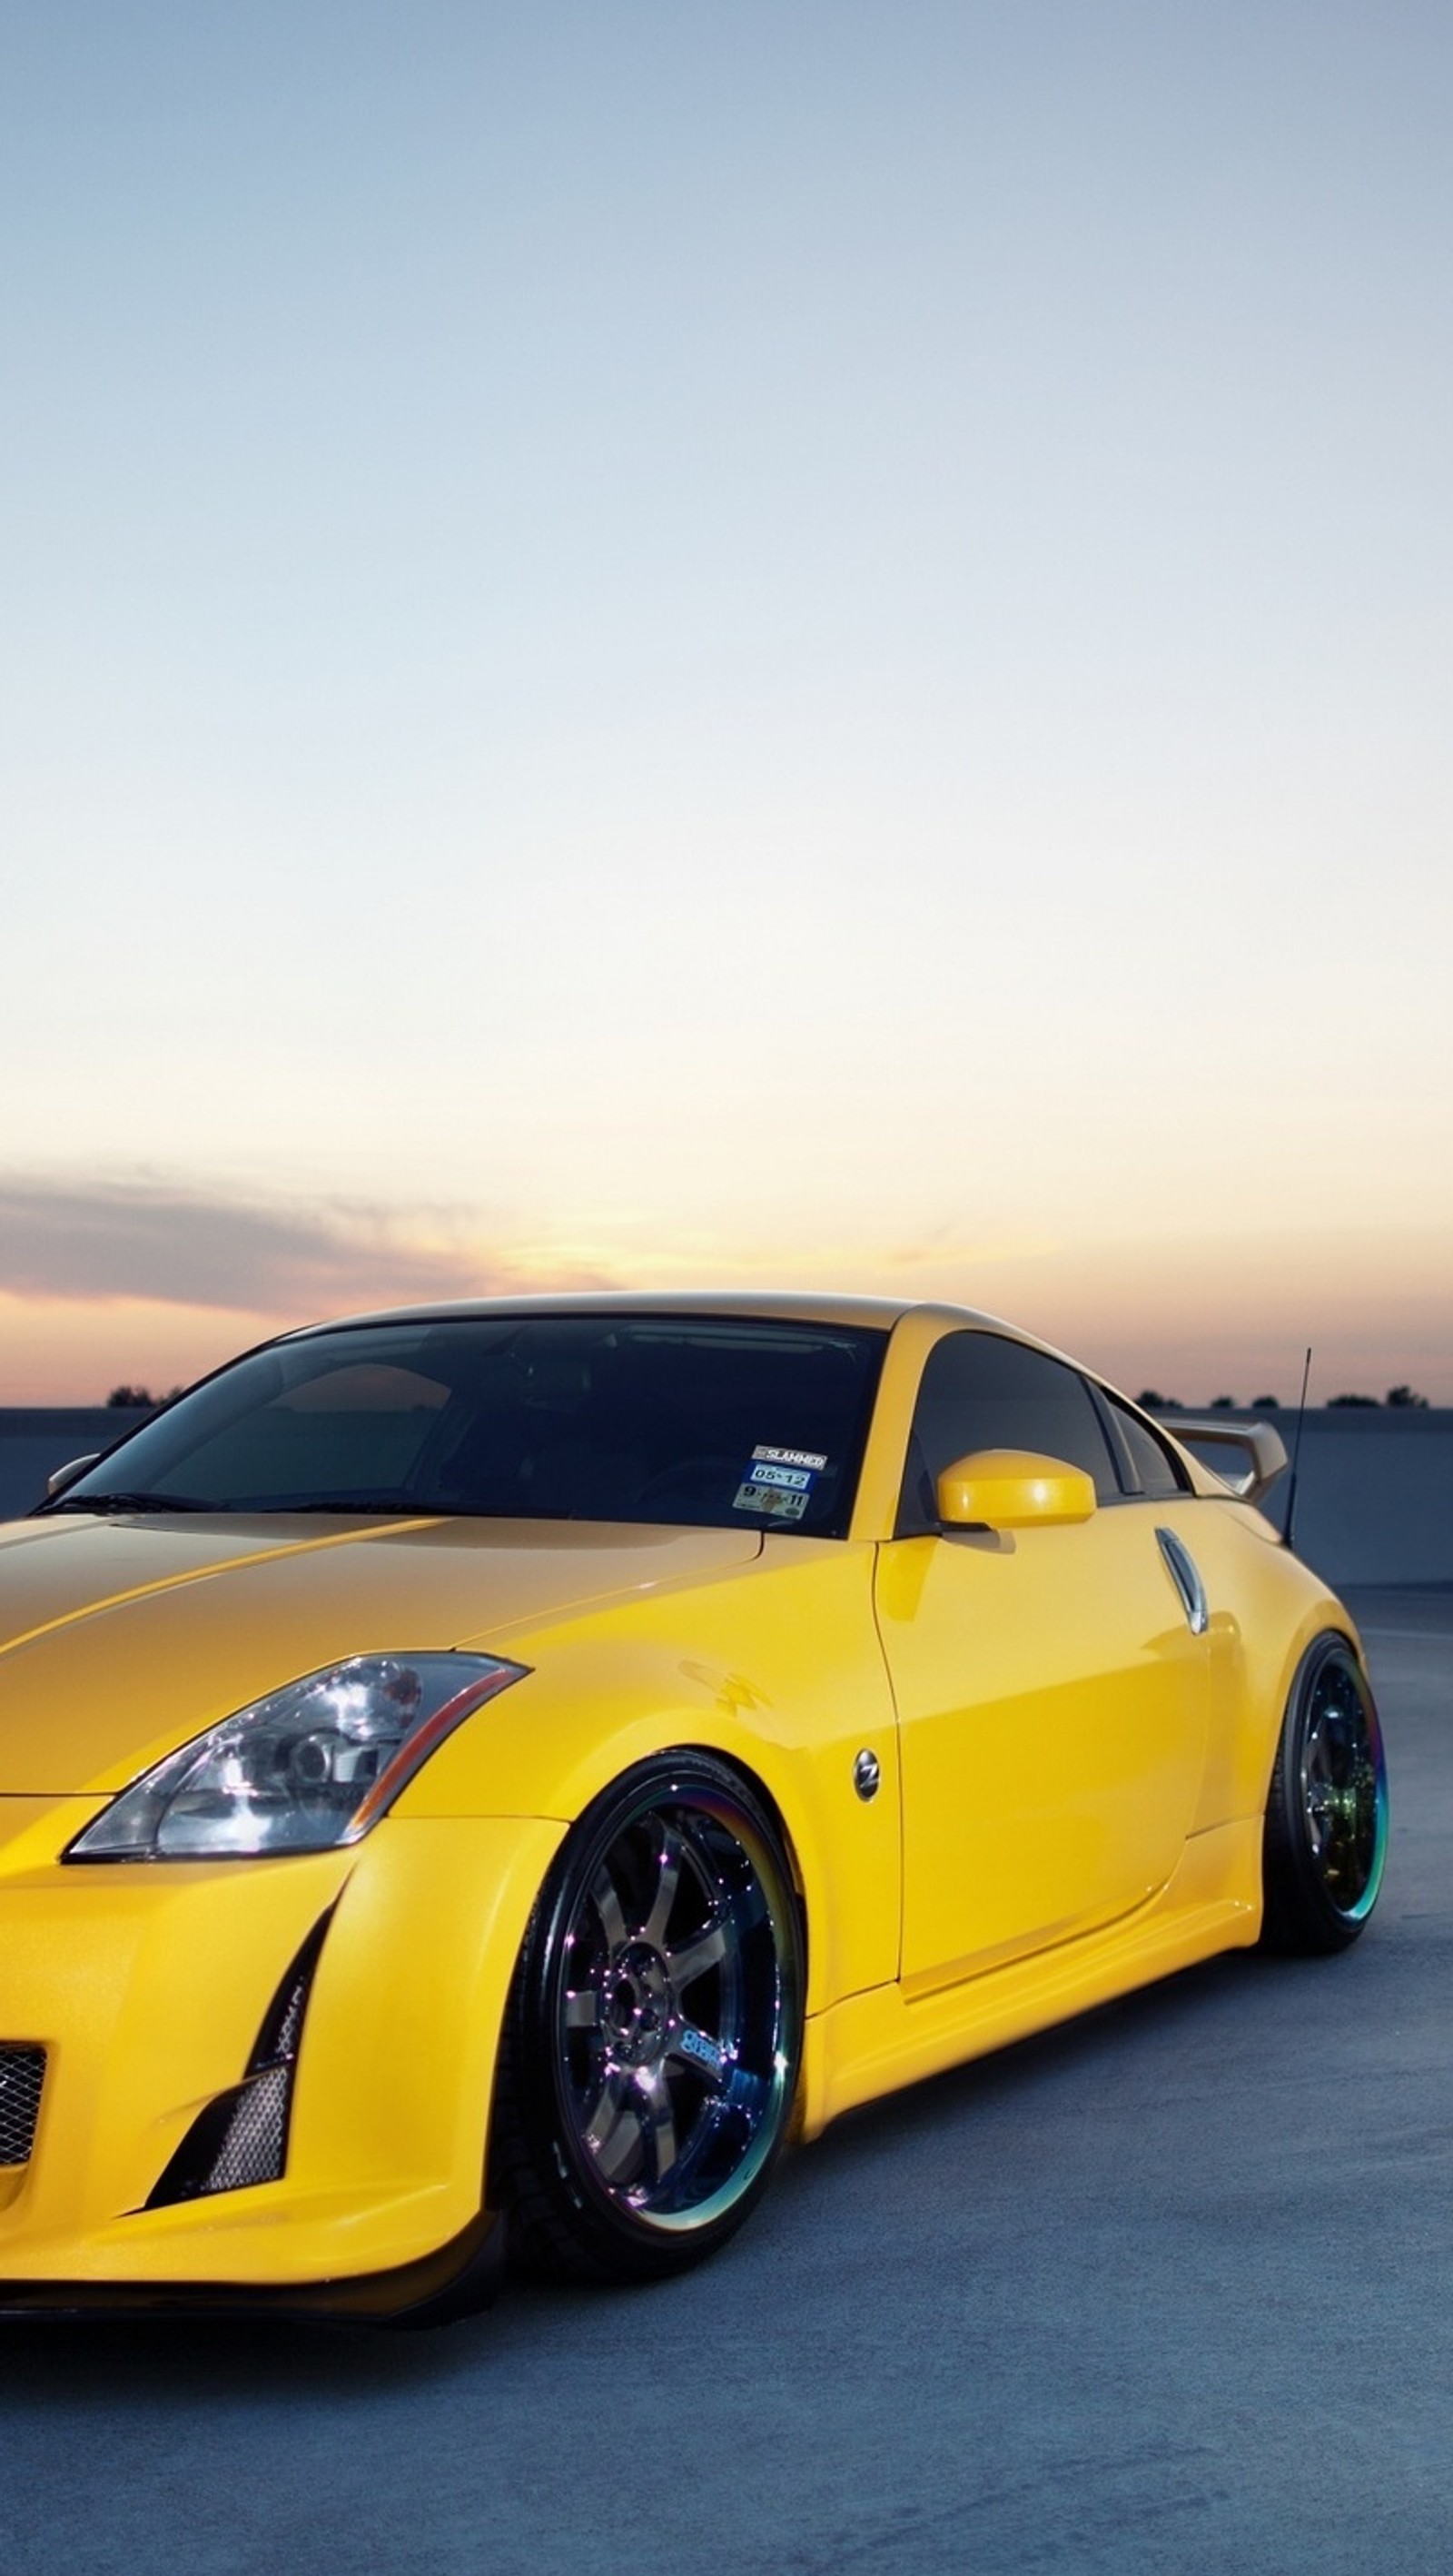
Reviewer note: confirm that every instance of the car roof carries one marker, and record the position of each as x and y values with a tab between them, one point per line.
788	1306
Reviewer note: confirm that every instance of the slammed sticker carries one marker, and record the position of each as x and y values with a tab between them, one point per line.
778	1483
774	1501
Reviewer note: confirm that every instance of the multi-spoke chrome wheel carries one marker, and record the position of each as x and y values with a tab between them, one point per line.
1326	1816
655	2027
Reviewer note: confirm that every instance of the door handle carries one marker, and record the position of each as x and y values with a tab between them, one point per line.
1181	1567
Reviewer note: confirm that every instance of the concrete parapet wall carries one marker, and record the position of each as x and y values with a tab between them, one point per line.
36	1439
1374	1505
1374	1491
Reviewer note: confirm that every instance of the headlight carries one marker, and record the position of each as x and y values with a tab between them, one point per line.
307	1769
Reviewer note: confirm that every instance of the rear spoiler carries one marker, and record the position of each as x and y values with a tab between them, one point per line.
1261	1450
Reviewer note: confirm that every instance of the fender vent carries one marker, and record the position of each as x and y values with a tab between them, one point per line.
22	2073
241	2137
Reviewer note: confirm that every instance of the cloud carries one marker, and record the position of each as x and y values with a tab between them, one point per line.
154	1239
184	1247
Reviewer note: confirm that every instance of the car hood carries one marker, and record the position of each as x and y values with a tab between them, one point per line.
120	1639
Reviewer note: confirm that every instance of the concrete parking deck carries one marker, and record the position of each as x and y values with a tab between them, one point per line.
1165	2289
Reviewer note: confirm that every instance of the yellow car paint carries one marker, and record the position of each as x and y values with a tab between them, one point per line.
1005	1489
1052	1770
1069	1801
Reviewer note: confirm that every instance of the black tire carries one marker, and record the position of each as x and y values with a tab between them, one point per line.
1325	1836
654	2030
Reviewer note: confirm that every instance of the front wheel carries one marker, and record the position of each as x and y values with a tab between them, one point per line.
654	2031
1325	1836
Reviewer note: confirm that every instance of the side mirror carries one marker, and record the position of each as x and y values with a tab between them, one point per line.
67	1475
1012	1489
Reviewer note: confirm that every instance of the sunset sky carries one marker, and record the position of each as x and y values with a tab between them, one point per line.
803	644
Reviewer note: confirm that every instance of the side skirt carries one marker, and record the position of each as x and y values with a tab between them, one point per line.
872	2043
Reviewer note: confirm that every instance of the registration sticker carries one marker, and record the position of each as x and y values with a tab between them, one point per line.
774	1502
793	1480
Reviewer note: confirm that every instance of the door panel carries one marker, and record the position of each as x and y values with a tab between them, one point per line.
1053	1709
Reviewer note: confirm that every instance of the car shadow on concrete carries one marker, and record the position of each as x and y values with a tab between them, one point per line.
1116	2052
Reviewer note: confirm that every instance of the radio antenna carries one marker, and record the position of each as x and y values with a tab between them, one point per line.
1287	1525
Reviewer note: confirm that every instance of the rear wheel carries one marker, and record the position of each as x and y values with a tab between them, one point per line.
654	2031
1326	1815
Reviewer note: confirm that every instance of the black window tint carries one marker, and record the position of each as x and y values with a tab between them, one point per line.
1153	1462
982	1392
698	1422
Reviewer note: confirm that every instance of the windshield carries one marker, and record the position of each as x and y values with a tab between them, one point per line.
708	1423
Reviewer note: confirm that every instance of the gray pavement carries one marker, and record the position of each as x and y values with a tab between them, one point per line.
1166	2289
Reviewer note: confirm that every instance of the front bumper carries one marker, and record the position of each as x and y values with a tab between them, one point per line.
147	1984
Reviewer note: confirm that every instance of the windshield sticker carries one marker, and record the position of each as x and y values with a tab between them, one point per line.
793	1480
774	1502
788	1457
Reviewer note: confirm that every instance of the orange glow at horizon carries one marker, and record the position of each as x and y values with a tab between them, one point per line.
1193	1318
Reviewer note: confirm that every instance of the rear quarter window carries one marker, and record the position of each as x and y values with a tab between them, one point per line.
1157	1468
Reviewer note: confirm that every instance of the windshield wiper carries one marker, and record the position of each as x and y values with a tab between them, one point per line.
402	1510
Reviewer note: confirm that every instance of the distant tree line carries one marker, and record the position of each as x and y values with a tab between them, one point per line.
1396	1395
139	1399
1400	1397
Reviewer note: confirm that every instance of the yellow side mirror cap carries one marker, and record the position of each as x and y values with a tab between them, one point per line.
1012	1489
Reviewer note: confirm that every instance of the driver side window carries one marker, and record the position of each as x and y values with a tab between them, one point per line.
980	1391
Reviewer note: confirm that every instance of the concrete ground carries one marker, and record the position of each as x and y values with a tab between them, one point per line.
1167	2289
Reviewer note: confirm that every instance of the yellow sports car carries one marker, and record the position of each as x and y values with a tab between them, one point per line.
496	1773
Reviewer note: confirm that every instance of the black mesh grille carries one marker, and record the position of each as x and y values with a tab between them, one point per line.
241	2137
253	2145
22	2073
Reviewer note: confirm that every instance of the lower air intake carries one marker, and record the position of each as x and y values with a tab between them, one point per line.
22	2073
253	2147
241	2137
